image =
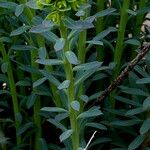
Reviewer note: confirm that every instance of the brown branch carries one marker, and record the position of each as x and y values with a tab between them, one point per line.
123	74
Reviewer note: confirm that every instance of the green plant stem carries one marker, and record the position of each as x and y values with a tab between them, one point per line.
12	89
99	28
82	55
37	105
119	45
70	91
137	28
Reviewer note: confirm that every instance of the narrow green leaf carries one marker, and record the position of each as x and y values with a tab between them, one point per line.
8	5
105	12
145	127
136	142
78	25
23	83
24	127
22	47
143	81
4	67
75	105
43	144
133	42
50	77
32	4
31	100
65	135
42	52
59	45
93	112
126	122
127	101
64	85
133	91
19	9
20	30
85	98
83	76
49	61
93	42
39	82
146	103
134	111
57	124
71	57
88	66
96	125
53	109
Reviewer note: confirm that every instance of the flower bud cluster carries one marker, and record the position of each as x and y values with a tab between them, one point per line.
59	7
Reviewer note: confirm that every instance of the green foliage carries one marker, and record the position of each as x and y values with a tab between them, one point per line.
56	58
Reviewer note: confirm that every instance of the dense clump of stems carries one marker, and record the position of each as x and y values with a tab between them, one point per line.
70	91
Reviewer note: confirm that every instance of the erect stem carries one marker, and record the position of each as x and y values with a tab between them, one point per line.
12	89
70	91
137	28
99	28
82	54
119	45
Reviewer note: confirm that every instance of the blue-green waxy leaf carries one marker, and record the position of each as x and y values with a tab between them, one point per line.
71	57
85	98
53	109
134	111
43	27
96	125
133	91
43	144
78	25
125	123
57	124
49	61
8	5
80	13
75	105
31	100
20	30
133	42
19	9
50	77
24	127
64	85
145	127
131	12
93	112
4	67
32	4
88	66
136	142
42	52
84	75
94	42
22	47
146	103
23	83
143	81
105	12
39	82
65	135
59	45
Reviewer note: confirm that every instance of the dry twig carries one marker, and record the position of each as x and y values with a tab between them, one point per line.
123	74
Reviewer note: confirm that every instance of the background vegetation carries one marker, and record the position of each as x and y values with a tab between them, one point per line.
56	57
